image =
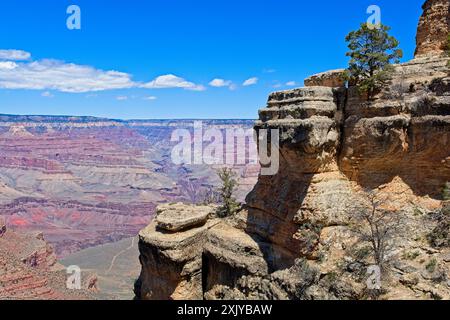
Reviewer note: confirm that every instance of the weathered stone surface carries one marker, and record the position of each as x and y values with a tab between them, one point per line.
171	263
434	27
404	132
29	270
333	79
176	217
296	238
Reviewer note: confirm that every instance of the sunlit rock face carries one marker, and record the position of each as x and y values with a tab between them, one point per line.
295	237
434	27
86	181
404	133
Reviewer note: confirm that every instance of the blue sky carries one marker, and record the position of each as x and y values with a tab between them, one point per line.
157	58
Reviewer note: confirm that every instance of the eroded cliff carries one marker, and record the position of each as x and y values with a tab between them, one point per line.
296	237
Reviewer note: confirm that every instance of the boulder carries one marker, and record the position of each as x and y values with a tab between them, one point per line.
177	217
333	79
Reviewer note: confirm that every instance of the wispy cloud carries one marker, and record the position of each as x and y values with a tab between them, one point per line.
121	98
291	83
47	94
172	81
250	82
14	55
277	85
150	98
61	76
8	65
219	83
269	71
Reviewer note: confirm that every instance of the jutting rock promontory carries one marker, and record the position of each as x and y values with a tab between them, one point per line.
296	236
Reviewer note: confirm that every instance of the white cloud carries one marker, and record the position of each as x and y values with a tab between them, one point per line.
15	55
218	83
150	98
122	98
291	83
250	82
61	76
269	71
172	81
8	65
47	94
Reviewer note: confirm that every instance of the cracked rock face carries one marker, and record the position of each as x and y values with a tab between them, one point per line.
434	27
295	238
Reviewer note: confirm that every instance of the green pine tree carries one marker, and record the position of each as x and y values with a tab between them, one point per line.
372	51
229	204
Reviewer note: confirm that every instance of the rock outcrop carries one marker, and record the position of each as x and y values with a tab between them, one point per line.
172	258
29	269
297	236
434	27
332	79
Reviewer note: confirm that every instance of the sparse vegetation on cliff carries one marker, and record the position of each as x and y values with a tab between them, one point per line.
446	191
229	205
440	236
372	50
378	227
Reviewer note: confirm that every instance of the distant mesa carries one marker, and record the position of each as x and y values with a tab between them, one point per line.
18	131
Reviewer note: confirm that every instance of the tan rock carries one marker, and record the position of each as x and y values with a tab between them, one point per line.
296	238
332	79
171	262
434	27
177	217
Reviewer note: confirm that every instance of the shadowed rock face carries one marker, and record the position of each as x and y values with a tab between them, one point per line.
434	27
295	239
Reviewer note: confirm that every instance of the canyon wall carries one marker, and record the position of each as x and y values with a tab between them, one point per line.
295	237
29	269
432	34
86	181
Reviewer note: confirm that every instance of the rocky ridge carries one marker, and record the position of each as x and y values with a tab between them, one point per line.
29	269
296	237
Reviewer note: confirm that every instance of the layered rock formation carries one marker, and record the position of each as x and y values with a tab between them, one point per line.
332	79
85	181
432	34
171	258
29	270
297	237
